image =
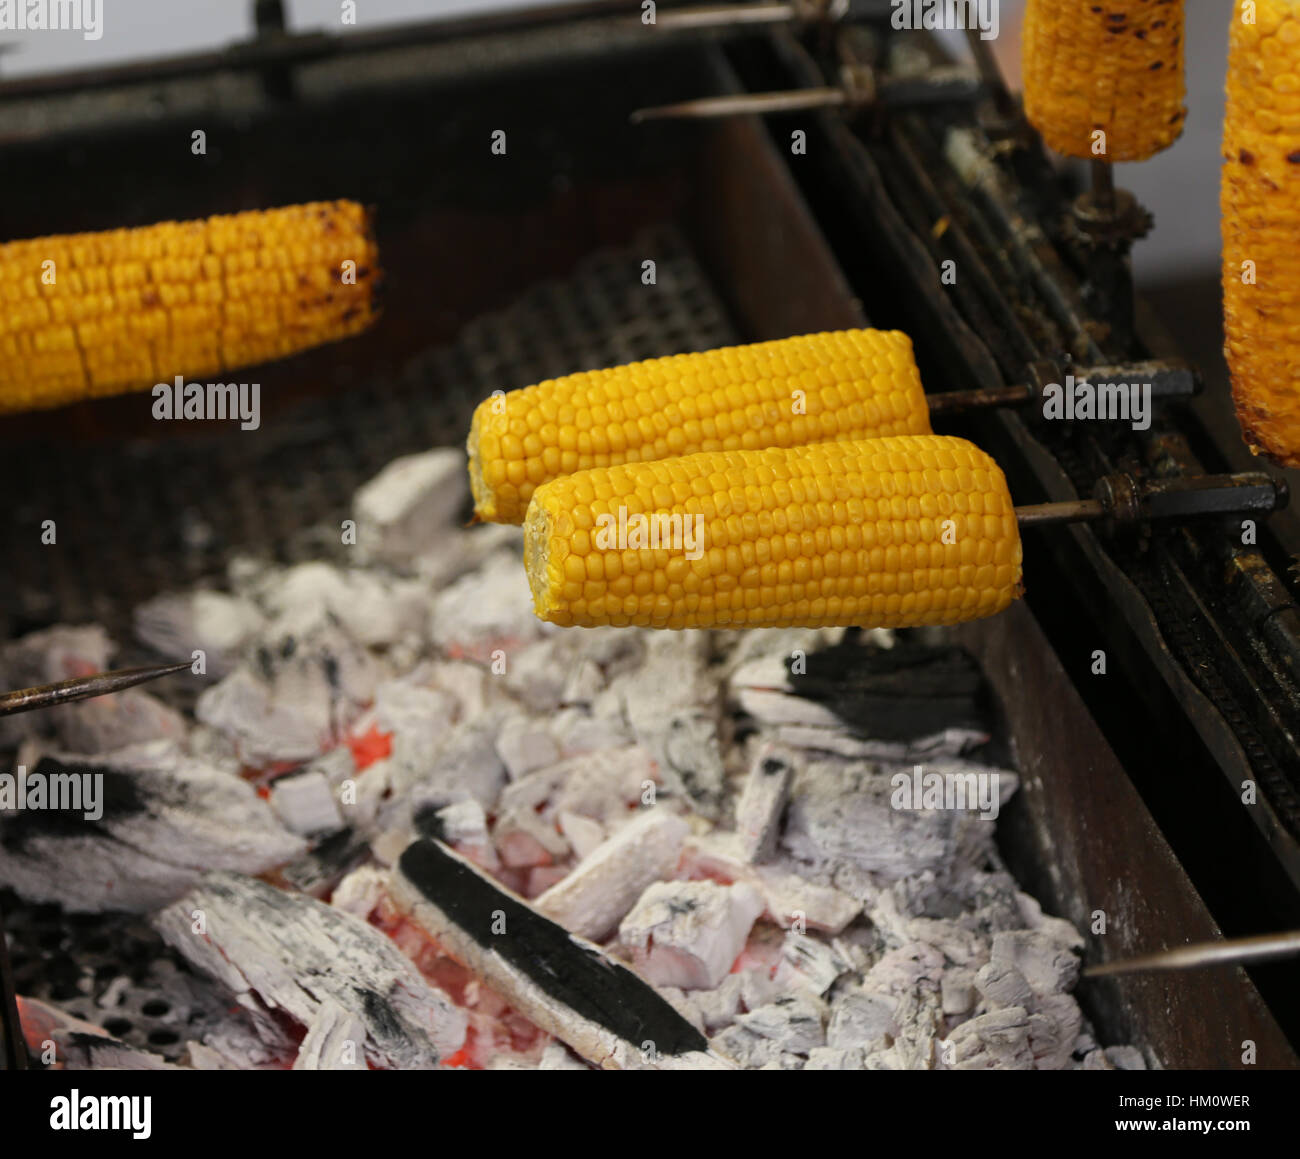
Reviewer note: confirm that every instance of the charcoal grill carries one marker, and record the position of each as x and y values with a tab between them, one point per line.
503	270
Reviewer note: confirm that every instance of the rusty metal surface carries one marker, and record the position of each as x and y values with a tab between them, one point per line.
1080	839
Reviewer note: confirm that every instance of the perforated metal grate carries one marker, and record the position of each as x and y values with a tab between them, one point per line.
126	538
136	520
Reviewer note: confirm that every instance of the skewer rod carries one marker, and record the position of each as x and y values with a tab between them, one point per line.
83	687
1230	952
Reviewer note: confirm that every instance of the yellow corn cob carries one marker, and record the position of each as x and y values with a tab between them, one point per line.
129	308
890	532
1115	65
1261	225
850	384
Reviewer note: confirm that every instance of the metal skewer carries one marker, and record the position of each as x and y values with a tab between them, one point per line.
1229	952
83	687
788	12
1125	499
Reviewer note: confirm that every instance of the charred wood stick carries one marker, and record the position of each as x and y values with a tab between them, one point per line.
563	983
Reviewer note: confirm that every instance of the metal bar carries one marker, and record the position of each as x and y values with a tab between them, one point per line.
950	401
1072	511
83	687
1230	952
13	1049
759	104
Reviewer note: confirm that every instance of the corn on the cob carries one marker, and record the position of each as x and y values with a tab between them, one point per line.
1114	65
850	384
888	532
90	314
1261	225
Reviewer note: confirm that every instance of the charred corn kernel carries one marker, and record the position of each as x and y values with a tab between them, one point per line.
1109	65
849	384
1261	223
83	315
888	533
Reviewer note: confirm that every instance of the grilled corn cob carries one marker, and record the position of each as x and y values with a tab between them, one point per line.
1115	65
92	314
889	532
850	384
1261	226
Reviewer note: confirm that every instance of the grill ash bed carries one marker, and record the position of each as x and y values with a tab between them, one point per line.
400	823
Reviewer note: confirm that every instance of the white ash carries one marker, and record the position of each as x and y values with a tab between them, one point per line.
221	626
334	1041
763	801
525	745
306	683
488	611
167	818
277	950
374	609
688	933
598	893
409	504
105	723
537	754
305	803
674	705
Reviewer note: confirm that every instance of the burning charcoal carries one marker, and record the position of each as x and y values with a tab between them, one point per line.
105	723
334	1041
375	610
896	694
951	742
810	964
305	803
457	551
54	654
796	1023
328	863
219	625
464	826
845	812
958	992
578	731
471	686
485	611
860	1018
582	833
525	745
688	933
835	1058
417	716
45	657
409	505
306	684
557	1056
284	952
1047	966
166	817
998	1040
767	788
674	708
562	983
787	896
81	1045
1002	984
361	891
466	765
592	899
523	839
